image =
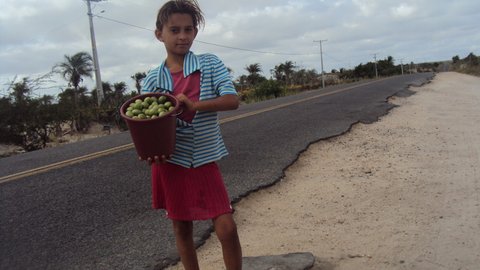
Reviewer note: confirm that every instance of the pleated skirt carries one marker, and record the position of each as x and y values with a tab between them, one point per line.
189	193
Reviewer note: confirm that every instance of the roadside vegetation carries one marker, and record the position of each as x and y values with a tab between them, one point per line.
32	122
468	65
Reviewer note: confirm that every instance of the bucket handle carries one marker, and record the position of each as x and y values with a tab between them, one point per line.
177	114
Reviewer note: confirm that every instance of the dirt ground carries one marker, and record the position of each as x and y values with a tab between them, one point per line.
401	193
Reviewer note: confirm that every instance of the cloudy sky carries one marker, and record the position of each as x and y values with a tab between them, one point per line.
36	34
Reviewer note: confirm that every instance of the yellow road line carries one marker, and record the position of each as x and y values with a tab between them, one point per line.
236	117
120	148
64	163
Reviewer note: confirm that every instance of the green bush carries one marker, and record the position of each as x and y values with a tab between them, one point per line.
267	89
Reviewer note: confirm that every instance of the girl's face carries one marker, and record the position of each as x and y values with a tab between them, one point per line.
177	34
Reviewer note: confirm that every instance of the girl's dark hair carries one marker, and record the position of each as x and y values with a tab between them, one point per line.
190	7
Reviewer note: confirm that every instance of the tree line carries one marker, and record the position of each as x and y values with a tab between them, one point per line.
286	78
469	65
32	122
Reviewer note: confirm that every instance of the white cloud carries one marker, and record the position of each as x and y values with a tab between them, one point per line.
367	7
403	11
11	10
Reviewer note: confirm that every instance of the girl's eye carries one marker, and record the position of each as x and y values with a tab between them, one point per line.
178	30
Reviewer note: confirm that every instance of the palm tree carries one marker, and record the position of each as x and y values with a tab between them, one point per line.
253	73
74	69
138	77
254	69
284	72
278	72
118	91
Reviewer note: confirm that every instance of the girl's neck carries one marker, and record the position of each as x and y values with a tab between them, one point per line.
175	62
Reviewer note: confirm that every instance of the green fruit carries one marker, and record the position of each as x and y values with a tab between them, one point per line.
151	112
136	112
162	99
149	107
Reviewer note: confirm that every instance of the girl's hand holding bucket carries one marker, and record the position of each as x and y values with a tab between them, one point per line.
158	160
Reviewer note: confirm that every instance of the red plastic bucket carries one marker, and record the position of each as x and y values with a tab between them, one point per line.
152	137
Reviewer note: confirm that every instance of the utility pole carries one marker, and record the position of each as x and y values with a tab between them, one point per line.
401	65
321	60
98	78
376	71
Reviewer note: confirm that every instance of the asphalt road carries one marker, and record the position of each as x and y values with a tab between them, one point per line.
95	213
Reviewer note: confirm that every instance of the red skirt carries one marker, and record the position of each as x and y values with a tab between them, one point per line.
189	193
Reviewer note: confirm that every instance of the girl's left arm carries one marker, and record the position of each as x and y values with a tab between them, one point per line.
221	103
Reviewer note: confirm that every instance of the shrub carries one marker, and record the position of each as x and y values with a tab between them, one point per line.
268	89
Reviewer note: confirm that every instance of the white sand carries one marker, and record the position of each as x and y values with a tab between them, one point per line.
401	193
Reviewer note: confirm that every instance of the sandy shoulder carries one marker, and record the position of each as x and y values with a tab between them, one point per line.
401	193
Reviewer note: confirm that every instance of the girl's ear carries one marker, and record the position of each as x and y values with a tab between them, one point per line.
158	35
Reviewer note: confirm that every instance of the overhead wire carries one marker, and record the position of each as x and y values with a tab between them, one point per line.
211	43
200	41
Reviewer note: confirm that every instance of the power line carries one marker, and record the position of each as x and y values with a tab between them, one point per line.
226	46
120	22
256	51
334	59
210	43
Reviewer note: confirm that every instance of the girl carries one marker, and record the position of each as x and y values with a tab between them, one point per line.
188	184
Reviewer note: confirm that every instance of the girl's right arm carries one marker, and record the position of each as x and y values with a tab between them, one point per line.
221	103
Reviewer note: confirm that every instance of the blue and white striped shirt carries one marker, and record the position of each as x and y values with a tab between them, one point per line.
199	142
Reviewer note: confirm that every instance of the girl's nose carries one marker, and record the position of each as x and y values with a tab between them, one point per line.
183	35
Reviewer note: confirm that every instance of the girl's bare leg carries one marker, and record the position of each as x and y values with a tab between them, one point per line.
226	231
184	239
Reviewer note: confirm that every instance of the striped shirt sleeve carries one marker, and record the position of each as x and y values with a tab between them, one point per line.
222	79
149	83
